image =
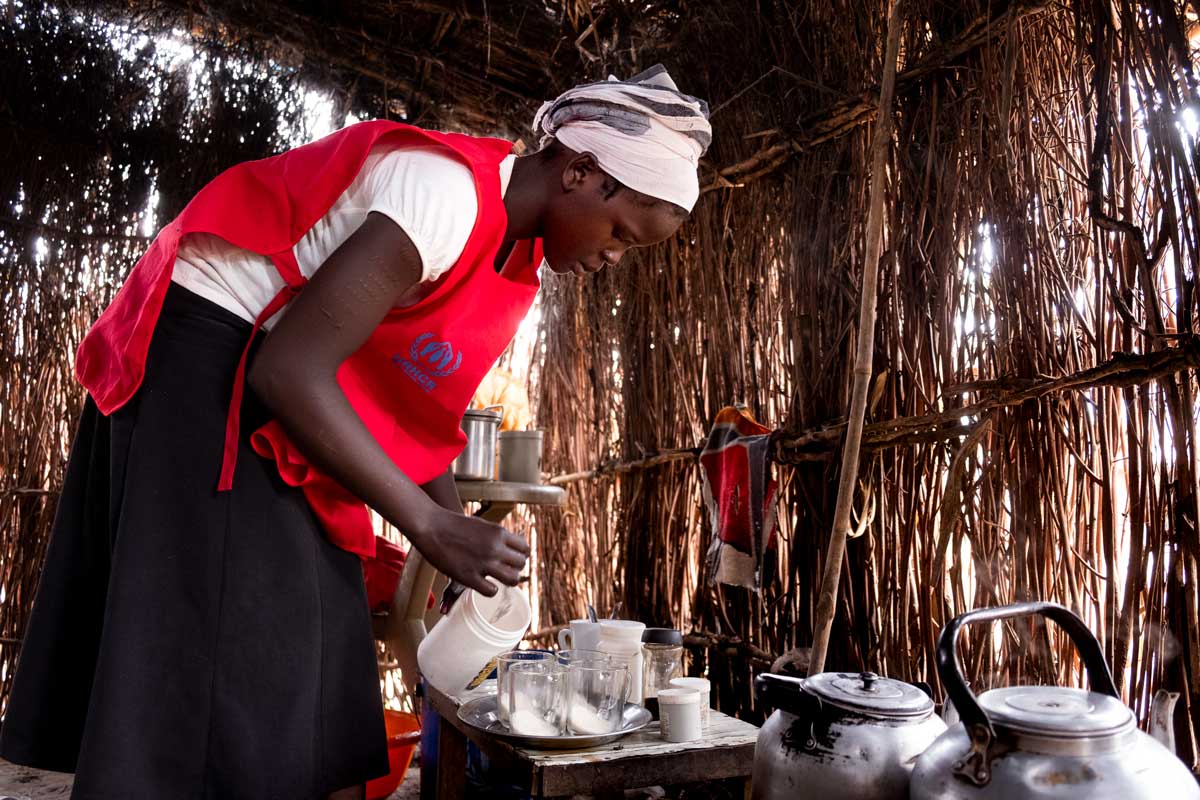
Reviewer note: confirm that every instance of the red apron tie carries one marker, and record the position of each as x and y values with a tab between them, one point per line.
233	419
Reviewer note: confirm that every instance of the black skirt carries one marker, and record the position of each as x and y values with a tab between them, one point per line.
186	643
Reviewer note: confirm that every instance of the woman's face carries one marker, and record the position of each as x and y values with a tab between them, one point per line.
583	232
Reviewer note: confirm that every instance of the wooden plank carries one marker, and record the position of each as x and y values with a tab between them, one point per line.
429	778
539	494
686	767
723	732
447	706
645	759
451	762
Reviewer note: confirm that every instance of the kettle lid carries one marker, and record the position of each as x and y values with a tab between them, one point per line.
1057	711
868	693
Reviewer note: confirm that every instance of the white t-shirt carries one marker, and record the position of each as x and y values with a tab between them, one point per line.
429	193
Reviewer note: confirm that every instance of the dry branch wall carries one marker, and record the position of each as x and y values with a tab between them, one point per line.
1041	218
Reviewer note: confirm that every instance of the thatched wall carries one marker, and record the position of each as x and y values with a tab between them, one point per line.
1041	222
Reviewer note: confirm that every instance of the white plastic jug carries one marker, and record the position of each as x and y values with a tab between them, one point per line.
460	651
623	638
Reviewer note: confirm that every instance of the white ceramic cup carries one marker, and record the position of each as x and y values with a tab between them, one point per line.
624	630
582	635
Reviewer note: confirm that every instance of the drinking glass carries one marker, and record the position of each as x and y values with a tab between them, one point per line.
503	664
596	694
537	693
593	657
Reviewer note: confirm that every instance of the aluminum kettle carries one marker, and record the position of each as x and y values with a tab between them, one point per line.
1044	741
840	736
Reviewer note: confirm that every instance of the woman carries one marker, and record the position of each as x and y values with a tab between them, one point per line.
201	628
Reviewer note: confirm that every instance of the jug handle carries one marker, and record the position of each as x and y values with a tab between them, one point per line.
975	768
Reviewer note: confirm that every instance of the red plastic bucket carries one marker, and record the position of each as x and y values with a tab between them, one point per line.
403	731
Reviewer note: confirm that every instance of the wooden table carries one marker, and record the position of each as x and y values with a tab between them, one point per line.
640	759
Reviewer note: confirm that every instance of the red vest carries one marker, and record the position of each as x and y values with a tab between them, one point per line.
412	379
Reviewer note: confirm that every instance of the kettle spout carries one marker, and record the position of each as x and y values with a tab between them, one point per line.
1162	711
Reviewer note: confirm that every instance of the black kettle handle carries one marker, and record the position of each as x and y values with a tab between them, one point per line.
787	694
974	718
780	691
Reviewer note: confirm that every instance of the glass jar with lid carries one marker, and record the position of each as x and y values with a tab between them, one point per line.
662	660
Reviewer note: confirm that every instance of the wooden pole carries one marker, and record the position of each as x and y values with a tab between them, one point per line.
827	600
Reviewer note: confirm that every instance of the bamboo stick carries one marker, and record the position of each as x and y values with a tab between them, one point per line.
827	600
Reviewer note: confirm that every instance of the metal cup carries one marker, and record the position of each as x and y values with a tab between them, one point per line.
477	461
521	456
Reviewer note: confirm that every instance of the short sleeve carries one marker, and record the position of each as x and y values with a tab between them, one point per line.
431	196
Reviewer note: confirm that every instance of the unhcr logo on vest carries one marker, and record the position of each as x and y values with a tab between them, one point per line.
428	359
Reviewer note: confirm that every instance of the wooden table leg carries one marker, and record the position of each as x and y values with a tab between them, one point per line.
428	778
429	759
451	762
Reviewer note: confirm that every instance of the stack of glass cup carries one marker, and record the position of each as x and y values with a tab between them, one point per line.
504	664
581	692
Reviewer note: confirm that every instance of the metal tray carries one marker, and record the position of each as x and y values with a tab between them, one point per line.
480	714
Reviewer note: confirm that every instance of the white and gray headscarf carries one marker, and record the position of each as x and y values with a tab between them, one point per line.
644	132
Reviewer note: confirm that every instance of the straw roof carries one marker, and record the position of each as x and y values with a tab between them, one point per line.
1031	427
439	63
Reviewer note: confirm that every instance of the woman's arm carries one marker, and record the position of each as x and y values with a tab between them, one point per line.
443	491
294	373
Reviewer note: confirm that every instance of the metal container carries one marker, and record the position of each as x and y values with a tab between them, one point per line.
1044	741
521	456
477	461
840	736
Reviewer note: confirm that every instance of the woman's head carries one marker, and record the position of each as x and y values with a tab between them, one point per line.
621	158
593	218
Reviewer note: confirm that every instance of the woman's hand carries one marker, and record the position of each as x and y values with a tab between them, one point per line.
470	550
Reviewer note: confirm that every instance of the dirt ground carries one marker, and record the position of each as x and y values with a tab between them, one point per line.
23	783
